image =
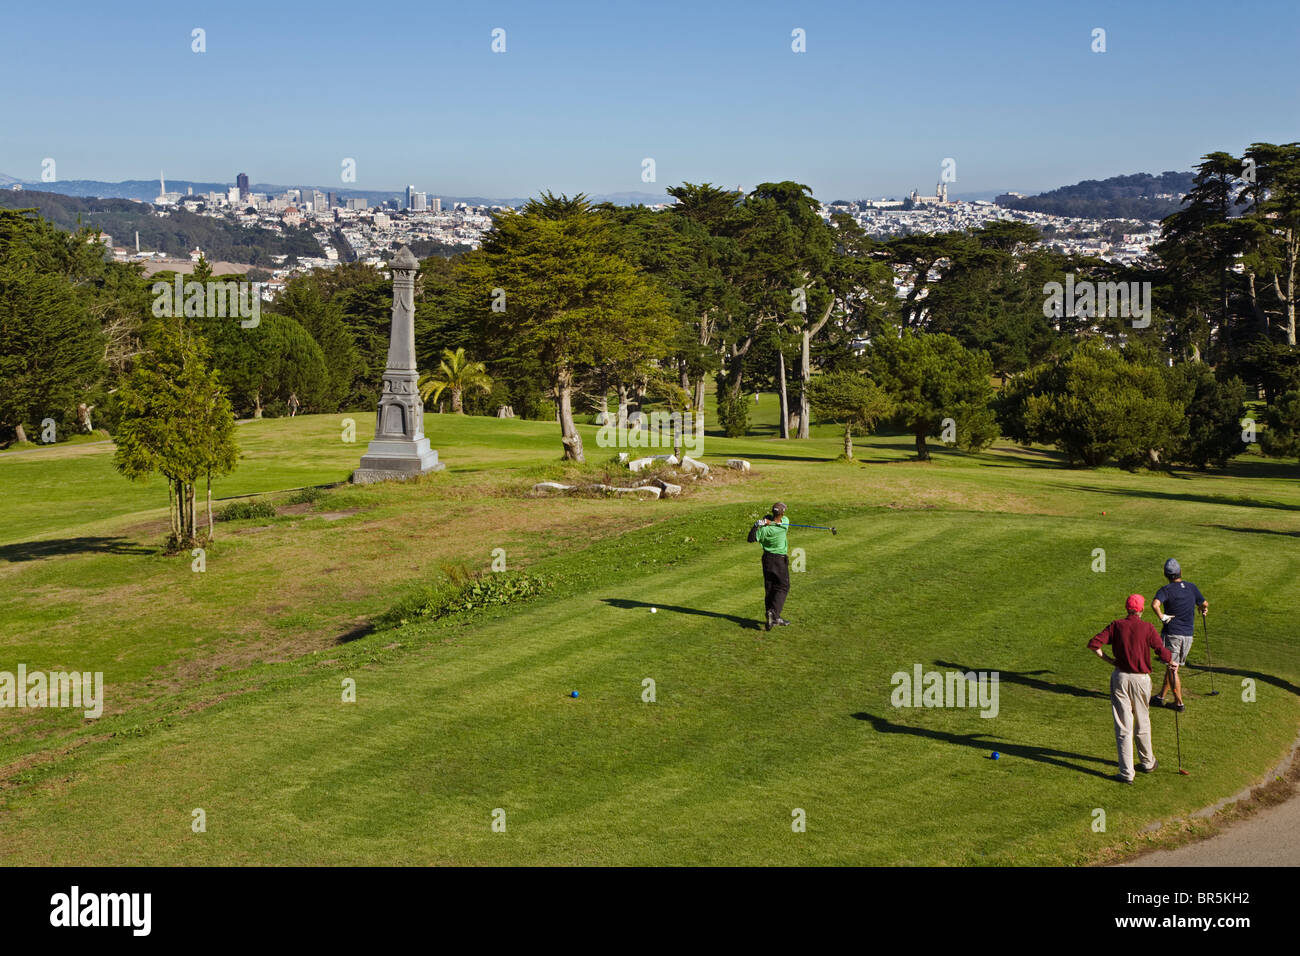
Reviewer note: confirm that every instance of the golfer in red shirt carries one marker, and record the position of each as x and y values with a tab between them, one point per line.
1130	685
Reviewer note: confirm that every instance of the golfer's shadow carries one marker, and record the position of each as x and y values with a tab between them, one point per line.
980	742
1027	679
625	604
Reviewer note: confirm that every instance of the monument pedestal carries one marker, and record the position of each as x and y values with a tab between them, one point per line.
386	460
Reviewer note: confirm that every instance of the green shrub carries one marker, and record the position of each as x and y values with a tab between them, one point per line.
463	590
733	413
240	510
1214	410
1281	437
1097	404
306	496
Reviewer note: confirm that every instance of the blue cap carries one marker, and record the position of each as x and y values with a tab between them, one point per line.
1172	568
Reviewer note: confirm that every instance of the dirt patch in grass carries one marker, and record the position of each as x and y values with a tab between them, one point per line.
41	758
156	531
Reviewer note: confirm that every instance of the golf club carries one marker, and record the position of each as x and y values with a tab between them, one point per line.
815	527
1210	657
1179	737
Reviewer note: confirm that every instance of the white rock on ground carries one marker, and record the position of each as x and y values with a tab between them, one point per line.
667	488
550	486
639	463
690	465
738	463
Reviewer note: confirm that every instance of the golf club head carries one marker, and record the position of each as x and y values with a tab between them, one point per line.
833	532
1184	772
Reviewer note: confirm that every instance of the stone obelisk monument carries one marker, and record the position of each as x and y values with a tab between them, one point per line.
399	449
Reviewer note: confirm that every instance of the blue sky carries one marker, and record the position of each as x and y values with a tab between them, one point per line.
586	90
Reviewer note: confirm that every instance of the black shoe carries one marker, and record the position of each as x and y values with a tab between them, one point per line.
782	622
1178	707
1157	701
1152	768
1120	779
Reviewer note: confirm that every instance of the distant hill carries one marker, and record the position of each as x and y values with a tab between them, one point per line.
175	234
1137	196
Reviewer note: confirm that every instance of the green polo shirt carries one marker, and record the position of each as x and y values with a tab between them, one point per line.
772	536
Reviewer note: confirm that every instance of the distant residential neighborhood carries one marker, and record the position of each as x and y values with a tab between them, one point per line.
359	229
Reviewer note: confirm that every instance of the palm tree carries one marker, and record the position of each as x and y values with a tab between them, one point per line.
457	373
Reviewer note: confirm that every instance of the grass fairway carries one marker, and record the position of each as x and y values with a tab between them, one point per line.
224	689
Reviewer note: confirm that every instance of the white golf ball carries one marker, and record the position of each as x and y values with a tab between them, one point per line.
654	610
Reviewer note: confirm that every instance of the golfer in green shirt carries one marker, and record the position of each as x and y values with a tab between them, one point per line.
771	532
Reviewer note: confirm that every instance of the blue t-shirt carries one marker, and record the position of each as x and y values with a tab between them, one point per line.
1180	599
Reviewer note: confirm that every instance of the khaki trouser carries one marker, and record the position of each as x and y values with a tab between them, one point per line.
1130	695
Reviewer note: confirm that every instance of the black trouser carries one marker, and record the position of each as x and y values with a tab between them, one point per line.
776	582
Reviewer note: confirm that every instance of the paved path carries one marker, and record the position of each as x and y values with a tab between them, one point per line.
33	451
1269	837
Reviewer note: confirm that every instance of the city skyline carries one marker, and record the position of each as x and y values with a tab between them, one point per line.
581	97
404	193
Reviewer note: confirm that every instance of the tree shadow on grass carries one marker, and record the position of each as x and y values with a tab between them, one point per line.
625	604
53	547
356	633
1224	527
1233	501
1029	679
982	742
1022	457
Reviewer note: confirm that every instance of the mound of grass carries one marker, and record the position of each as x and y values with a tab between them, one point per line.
615	473
306	496
462	590
241	510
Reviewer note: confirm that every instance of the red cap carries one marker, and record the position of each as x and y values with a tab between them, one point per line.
1135	602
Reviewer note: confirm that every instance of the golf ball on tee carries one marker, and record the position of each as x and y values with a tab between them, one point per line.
654	610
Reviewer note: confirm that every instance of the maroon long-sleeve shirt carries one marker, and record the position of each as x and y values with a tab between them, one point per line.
1132	639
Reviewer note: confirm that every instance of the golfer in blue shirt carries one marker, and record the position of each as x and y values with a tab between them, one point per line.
1176	604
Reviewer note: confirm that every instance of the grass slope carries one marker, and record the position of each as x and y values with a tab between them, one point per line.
225	687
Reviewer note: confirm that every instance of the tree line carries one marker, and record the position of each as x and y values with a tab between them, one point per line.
572	308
